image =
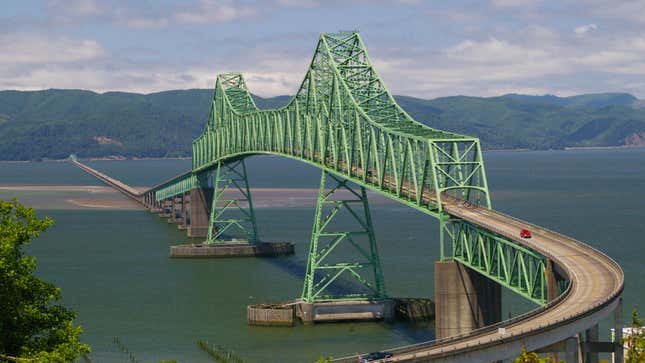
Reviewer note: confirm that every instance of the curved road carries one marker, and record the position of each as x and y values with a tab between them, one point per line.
596	285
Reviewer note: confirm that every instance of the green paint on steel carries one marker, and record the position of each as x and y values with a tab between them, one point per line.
344	121
180	186
515	267
232	215
333	244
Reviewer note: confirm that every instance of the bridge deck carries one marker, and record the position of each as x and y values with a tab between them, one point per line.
596	281
116	184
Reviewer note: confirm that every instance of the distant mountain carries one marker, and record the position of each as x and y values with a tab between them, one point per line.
54	123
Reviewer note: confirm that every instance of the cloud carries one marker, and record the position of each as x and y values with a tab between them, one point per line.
133	16
17	49
75	7
622	10
583	30
213	12
513	3
299	3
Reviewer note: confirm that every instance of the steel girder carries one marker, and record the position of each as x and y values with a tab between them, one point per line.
518	268
326	263
344	121
179	186
232	214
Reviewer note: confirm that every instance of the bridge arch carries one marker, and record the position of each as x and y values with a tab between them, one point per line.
344	121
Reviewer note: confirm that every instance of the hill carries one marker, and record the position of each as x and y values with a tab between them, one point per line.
54	123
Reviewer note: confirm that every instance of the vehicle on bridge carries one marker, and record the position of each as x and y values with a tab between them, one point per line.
371	357
525	233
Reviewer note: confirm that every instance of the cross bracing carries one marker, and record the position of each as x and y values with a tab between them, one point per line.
344	121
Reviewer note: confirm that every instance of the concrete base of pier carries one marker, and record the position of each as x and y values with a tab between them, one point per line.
414	309
310	313
232	249
464	299
270	315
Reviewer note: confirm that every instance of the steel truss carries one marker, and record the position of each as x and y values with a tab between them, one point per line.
344	121
511	265
232	214
324	267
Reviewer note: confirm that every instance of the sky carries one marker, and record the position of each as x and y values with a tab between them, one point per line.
424	49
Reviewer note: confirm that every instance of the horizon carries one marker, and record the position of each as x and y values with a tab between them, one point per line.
292	95
482	49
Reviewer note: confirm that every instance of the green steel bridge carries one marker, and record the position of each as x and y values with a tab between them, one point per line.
344	121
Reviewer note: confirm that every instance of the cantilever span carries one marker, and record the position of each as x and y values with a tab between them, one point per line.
344	121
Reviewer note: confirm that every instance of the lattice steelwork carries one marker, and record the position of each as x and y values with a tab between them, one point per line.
515	267
344	121
326	265
232	215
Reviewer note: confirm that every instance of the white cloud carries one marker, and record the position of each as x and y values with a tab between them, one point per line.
213	12
76	7
585	29
199	12
19	49
299	3
622	10
512	3
123	16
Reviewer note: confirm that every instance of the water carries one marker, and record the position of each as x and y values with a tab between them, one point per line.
113	266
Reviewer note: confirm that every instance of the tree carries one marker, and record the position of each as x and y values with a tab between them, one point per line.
635	341
530	357
32	327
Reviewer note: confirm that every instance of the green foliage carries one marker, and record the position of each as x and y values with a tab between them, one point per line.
324	360
30	325
636	341
56	123
530	357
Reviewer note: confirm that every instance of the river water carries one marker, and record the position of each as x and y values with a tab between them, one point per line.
111	259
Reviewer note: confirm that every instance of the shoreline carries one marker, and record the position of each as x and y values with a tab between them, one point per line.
114	158
123	158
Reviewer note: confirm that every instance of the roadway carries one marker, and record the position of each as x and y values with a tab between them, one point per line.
596	284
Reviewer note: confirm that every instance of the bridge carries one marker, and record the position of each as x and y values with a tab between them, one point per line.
344	121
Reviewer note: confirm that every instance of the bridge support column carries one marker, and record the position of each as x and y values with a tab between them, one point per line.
325	293
232	215
572	349
175	209
591	336
618	355
464	299
185	200
200	210
166	207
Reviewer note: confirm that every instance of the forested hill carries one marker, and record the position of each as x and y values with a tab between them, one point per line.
56	123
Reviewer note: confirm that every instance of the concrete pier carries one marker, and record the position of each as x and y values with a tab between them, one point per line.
185	207
270	315
232	249
310	313
418	309
200	201
464	299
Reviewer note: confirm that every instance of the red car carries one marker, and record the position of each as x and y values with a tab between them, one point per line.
525	233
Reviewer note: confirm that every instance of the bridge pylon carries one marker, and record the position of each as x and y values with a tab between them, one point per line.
232	214
355	242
